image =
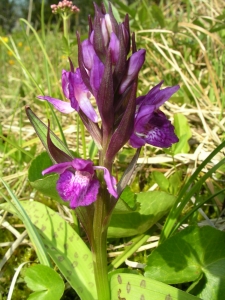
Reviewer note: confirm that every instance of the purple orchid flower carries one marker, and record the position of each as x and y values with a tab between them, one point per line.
151	125
76	91
78	183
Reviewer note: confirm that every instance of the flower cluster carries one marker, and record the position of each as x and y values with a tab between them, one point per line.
78	183
108	72
64	6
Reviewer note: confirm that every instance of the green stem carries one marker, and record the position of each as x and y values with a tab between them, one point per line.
83	138
78	133
66	27
99	248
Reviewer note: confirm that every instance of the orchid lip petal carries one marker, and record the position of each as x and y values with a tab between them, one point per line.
77	182
79	188
62	106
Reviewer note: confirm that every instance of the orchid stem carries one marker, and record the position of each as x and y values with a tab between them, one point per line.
78	133
100	250
82	129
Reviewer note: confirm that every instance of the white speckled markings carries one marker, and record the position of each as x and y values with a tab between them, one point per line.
66	248
129	287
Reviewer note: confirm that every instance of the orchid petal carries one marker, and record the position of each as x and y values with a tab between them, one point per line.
157	97
83	165
137	141
162	132
65	83
79	95
96	74
114	46
57	168
110	181
79	189
157	131
62	106
105	33
88	53
134	65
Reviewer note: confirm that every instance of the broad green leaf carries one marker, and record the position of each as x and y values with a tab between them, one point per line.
183	132
188	255
129	198
16	207
65	247
152	206
161	180
45	282
135	287
44	184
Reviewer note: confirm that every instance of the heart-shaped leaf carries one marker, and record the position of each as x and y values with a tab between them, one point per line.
47	284
194	254
44	184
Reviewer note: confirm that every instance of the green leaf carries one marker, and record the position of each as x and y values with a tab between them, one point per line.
152	206
161	180
188	255
183	132
175	181
157	14
16	207
44	184
65	247
130	287
129	198
46	283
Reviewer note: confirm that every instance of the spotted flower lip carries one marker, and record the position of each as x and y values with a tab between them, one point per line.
78	183
75	90
151	125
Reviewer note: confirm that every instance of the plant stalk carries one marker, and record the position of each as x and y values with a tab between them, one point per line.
99	249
